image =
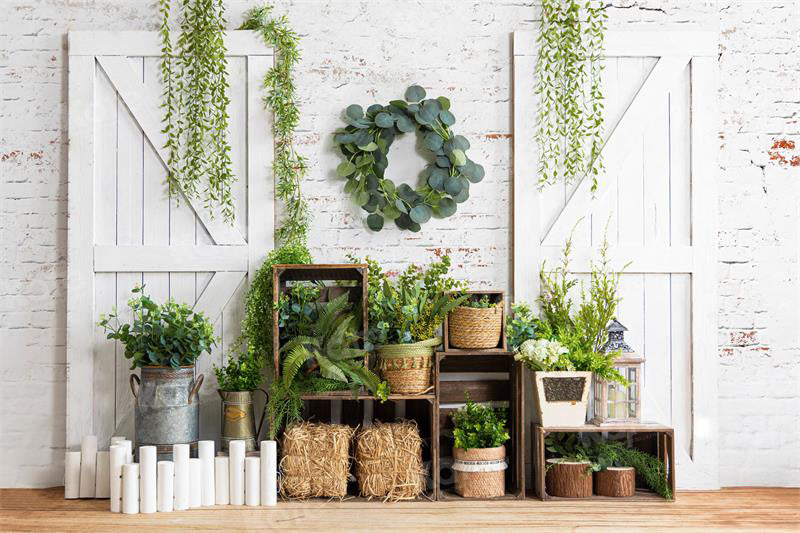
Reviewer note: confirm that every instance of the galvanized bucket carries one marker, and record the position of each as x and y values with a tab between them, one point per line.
238	421
167	408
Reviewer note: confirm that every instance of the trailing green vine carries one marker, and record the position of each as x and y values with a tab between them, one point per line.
196	104
289	166
569	129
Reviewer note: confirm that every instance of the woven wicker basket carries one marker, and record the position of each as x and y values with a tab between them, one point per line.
407	367
480	472
475	328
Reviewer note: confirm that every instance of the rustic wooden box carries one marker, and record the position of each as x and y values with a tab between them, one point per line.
467	364
496	296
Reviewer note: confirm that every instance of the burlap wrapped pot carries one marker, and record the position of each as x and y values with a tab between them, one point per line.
480	472
407	367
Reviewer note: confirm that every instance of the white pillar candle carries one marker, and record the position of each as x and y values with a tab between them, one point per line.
72	475
269	472
166	477
118	455
205	451
252	481
88	466
130	488
180	456
221	477
147	479
116	440
128	445
195	483
101	476
236	463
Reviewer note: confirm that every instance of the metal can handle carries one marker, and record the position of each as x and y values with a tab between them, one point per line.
263	414
135	388
195	390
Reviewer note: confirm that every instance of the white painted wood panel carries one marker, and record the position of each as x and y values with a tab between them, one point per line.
124	229
655	203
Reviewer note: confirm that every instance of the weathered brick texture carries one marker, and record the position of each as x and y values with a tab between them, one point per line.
359	51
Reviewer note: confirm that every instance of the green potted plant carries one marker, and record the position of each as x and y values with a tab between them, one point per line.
237	382
476	324
404	317
479	452
164	341
569	472
566	347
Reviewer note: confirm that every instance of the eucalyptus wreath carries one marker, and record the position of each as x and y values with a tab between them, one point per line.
196	104
365	143
569	130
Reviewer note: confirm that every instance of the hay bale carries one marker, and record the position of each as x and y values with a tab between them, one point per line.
315	460
389	461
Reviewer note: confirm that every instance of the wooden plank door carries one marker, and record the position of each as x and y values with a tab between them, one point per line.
656	203
124	230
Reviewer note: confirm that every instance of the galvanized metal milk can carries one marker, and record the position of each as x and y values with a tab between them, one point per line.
167	408
238	421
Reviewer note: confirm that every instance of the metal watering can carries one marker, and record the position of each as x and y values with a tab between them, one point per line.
238	420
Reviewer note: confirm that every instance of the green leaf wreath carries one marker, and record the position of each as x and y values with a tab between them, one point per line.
196	104
365	143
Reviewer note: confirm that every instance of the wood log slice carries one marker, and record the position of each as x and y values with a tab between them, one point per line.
617	482
568	480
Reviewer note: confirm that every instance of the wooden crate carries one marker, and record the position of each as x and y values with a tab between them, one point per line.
481	389
501	348
653	438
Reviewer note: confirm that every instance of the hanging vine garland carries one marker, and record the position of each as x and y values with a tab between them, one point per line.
365	143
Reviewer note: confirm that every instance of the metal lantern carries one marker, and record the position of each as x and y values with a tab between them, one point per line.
613	402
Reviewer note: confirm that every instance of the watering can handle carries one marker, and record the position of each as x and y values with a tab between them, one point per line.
263	413
135	388
195	391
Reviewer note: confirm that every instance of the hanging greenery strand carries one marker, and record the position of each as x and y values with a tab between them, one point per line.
289	166
569	125
196	104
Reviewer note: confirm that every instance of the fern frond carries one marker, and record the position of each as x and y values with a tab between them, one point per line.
329	369
294	361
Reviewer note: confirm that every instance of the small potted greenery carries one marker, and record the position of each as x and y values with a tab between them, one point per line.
164	341
479	452
564	345
237	382
477	323
404	317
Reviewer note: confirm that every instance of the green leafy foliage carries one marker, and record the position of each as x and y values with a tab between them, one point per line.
479	426
569	129
170	334
298	310
521	325
288	167
479	302
242	373
365	144
328	350
412	307
196	104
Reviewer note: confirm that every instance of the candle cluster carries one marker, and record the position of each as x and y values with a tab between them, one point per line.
183	483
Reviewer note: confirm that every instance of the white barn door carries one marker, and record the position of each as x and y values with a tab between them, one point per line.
657	200
124	230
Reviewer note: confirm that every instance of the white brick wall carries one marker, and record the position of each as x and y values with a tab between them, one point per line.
370	51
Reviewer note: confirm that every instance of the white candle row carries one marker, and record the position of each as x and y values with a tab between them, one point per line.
87	472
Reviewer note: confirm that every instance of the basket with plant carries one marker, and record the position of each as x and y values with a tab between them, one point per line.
404	316
476	324
479	452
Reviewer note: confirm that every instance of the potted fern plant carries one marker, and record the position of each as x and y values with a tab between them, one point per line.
164	341
237	383
479	452
404	318
563	346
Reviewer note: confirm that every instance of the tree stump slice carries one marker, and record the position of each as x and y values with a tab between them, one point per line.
568	480
618	482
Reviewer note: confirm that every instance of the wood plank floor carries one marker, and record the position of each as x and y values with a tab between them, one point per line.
730	509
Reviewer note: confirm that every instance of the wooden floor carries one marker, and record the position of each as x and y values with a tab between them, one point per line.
730	509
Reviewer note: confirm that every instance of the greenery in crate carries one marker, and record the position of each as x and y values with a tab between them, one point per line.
170	334
322	359
566	336
242	373
603	454
480	302
412	307
521	325
479	426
